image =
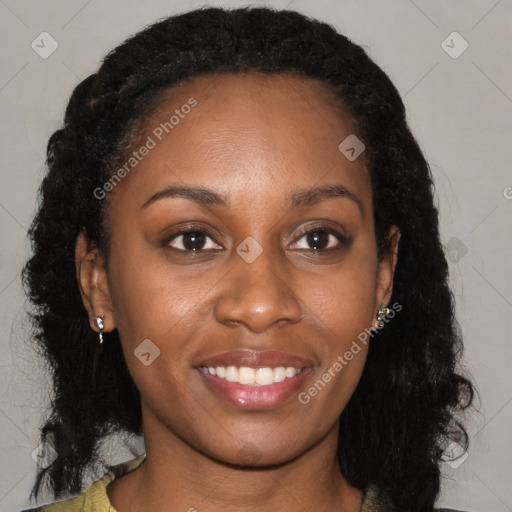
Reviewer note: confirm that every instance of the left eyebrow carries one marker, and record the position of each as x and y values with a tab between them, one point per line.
311	196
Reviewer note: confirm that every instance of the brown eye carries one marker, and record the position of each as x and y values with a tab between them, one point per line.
192	240
320	239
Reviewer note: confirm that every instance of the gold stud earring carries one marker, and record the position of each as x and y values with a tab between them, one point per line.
381	314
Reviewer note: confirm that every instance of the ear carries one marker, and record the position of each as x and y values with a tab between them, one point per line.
386	269
92	282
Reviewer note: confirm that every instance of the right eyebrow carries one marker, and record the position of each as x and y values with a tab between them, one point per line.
198	194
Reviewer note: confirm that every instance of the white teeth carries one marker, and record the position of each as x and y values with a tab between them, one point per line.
264	376
231	374
291	372
279	374
247	376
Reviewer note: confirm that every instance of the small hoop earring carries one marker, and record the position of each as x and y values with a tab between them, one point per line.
381	314
98	320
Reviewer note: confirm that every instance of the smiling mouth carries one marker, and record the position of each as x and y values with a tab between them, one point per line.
254	380
262	376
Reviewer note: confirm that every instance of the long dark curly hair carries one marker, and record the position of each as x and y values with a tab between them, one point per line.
411	396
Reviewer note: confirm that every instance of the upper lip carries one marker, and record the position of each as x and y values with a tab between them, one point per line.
256	359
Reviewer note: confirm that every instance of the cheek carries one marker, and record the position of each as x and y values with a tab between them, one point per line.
151	308
344	304
159	309
345	296
150	297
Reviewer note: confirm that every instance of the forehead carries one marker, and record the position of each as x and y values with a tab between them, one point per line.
243	131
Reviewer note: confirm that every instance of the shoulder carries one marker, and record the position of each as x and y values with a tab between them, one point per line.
95	498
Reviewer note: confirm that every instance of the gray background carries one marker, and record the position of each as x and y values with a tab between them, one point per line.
459	109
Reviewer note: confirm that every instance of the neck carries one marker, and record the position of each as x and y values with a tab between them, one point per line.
175	476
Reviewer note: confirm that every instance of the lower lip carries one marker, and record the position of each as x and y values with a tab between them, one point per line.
255	397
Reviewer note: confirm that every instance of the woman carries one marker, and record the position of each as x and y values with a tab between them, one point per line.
237	256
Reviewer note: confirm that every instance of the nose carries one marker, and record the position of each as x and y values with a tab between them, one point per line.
258	295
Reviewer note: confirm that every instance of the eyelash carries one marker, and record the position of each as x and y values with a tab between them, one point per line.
343	241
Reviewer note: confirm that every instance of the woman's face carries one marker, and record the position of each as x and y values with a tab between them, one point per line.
278	270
